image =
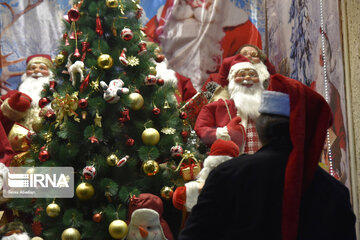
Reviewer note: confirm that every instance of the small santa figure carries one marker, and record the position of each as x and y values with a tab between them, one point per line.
38	73
13	107
221	151
13	231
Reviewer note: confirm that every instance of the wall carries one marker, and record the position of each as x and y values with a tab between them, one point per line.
351	36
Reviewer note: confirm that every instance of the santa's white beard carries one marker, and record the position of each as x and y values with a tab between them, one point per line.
247	100
33	87
22	236
192	44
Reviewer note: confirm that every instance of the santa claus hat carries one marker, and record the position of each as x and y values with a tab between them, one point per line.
15	105
153	202
275	103
232	64
224	148
310	117
11	228
39	58
220	151
239	63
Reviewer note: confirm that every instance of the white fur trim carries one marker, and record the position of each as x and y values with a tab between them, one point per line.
262	71
192	194
210	163
3	172
22	236
222	133
260	68
168	75
229	11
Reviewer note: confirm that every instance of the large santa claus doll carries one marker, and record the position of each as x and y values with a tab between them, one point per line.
234	119
195	35
38	73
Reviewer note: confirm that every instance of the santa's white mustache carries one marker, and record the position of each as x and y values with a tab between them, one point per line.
247	82
37	74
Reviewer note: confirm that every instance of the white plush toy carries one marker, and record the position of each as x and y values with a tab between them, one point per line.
77	67
113	91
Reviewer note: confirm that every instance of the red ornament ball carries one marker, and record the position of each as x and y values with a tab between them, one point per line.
83	103
44	155
160	82
184	134
156	111
97	217
130	142
159	58
43	102
183	115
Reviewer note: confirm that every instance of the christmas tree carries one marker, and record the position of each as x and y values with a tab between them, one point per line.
110	119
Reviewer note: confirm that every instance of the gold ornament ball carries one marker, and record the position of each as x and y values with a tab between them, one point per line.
30	170
166	193
53	210
136	101
112	3
70	234
59	60
112	160
150	167
152	71
84	191
105	61
37	238
118	229
150	136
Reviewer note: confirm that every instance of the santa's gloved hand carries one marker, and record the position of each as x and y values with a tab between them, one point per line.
236	131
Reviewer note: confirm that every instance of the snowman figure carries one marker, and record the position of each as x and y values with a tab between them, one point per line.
114	90
146	220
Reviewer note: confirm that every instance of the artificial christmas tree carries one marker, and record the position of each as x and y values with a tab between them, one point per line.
111	120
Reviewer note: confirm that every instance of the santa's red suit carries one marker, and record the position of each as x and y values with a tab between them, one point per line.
14	106
216	115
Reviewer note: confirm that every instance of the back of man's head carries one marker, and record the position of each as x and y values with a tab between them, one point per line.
273	128
273	123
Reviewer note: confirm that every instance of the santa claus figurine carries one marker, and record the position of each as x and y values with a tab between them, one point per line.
13	107
13	231
234	119
38	73
221	151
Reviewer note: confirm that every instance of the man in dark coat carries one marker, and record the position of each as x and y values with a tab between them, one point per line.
280	192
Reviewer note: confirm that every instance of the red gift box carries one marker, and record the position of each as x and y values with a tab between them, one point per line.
193	107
